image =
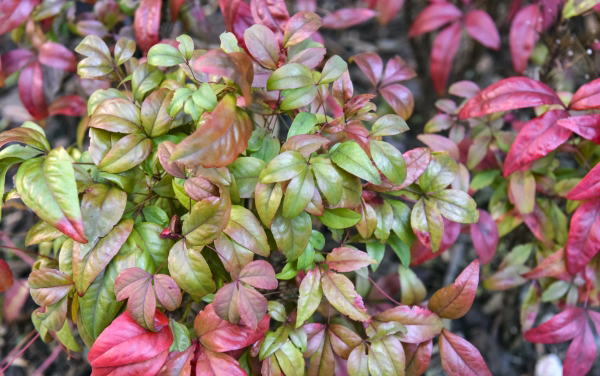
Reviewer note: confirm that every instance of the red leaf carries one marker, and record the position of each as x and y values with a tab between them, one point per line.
535	140
347	17
212	363
15	12
125	348
560	328
523	35
219	335
509	94
434	16
14	60
397	70
399	98
421	324
346	259
444	48
588	187
179	363
584	236
271	13
587	97
552	266
6	276
455	300
484	234
388	9
259	274
229	8
460	357
587	126
482	28
417	161
15	299
417	357
370	64
57	56
31	82
419	253
174	7
581	353
70	105
146	23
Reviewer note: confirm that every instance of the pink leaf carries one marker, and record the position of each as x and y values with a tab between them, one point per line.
271	13
482	28
434	16
259	274
444	48
146	23
587	126
440	143
560	328
14	60
587	97
587	188
581	353
70	105
484	234
509	94
347	17
14	12
460	357
419	253
345	259
31	82
523	35
535	140
584	236
397	70
417	161
370	64
399	98
421	324
388	9
57	56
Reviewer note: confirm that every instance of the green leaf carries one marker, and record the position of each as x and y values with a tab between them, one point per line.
145	78
439	173
229	42
24	135
303	123
98	61
186	46
376	250
267	198
298	98
181	336
101	208
306	259
292	235
574	8
385	220
47	186
389	161
100	96
54	316
401	224
352	158
117	115
273	341
456	205
285	166
317	240
388	125
99	306
339	218
358	361
65	337
207	219
299	193
205	97
333	69
246	171
386	357
127	153
290	76
328	180
310	294
233	255
190	270
245	229
413	291
263	46
41	232
299	27
522	187
124	50
154	117
277	311
340	292
427	223
290	359
289	271
87	266
402	249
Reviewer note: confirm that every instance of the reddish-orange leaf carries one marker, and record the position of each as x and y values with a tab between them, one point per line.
445	46
455	300
584	236
6	276
459	357
146	23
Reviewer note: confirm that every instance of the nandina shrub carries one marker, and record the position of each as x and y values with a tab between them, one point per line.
239	199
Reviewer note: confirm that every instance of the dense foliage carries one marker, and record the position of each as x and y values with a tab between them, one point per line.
251	184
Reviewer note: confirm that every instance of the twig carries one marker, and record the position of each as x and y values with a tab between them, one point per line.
383	292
